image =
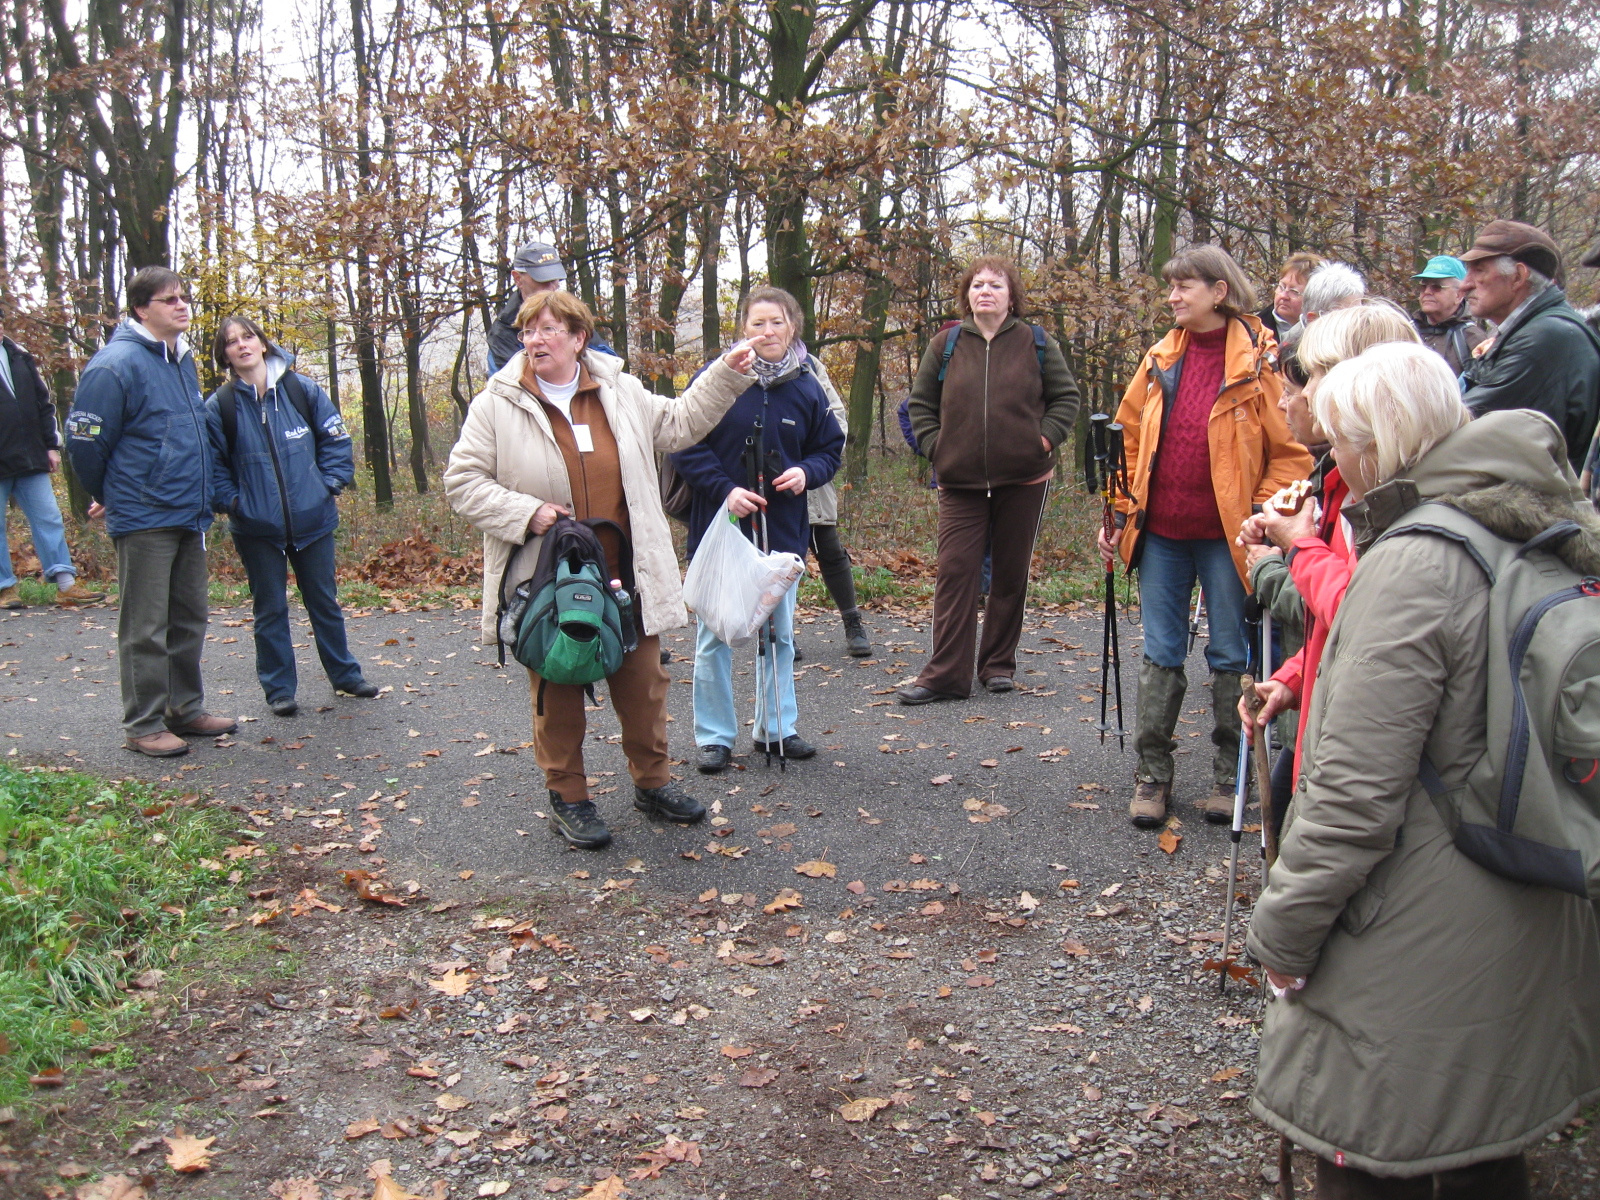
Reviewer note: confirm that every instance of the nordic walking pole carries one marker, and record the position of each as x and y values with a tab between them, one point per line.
1119	481
1241	790
753	481
1102	475
1194	617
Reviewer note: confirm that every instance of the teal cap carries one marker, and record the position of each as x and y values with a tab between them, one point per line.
1443	266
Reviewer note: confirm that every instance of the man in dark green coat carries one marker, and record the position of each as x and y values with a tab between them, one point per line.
1543	356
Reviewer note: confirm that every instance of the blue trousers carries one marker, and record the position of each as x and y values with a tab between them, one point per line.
37	500
1167	573
716	716
266	565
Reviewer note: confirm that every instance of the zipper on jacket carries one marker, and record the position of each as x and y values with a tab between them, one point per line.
988	488
277	470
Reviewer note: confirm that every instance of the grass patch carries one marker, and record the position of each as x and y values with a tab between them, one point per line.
99	882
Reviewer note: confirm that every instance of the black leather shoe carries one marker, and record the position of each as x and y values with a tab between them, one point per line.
799	656
713	759
915	693
578	824
794	746
999	683
669	801
283	708
360	688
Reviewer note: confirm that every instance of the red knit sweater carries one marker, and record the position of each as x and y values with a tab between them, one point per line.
1183	502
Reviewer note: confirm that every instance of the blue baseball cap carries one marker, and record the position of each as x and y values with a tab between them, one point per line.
1443	266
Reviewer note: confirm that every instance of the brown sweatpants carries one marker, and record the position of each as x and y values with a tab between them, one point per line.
639	694
1007	521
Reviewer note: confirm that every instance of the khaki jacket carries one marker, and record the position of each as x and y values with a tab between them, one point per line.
1252	454
506	464
822	504
1451	1016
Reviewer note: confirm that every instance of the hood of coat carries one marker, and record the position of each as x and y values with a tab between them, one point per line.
278	365
131	331
1508	471
1243	358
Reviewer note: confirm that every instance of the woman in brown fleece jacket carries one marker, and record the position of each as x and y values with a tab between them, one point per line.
992	400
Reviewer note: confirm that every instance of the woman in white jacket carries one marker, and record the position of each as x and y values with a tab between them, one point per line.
561	430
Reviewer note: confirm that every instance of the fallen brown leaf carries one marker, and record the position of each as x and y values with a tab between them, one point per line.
817	869
863	1109
187	1154
124	1187
757	1077
360	1129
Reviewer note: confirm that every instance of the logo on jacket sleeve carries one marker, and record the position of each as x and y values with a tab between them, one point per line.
334	428
84	426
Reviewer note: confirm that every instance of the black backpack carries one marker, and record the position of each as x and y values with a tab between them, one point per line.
566	623
228	408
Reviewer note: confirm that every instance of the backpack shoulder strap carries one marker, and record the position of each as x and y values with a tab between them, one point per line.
949	349
296	391
626	573
1038	344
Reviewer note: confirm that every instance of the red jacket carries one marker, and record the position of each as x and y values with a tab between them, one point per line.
1321	568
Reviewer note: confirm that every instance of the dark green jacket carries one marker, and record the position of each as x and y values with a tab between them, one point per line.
1547	359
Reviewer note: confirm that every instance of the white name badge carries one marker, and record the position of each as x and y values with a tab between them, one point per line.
584	439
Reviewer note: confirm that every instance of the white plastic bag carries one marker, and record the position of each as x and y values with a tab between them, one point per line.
733	587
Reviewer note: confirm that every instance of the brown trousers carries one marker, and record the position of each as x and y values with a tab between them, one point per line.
639	694
1499	1179
1006	521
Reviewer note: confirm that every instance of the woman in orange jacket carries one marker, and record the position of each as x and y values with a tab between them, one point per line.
1205	441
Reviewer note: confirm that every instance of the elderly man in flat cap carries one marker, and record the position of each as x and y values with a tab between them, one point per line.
1544	356
536	267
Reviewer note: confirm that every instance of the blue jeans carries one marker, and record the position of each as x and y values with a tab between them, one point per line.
1167	573
716	718
266	565
37	500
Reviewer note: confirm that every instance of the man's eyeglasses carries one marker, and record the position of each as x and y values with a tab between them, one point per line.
172	300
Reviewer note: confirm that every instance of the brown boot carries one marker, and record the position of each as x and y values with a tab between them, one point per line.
204	725
1218	806
11	598
158	745
77	594
1148	808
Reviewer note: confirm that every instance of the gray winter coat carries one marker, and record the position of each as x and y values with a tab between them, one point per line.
1451	1016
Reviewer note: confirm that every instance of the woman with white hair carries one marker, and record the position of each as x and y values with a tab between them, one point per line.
1434	1019
1332	286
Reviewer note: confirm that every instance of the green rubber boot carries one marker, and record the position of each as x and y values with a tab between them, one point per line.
1225	734
1161	692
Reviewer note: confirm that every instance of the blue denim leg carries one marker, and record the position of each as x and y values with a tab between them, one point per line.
716	718
314	575
784	706
1166	581
1227	641
267	568
37	499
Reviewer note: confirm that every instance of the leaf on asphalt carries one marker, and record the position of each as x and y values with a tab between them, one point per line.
855	887
1168	841
786	899
941	780
1112	890
1066	885
450	1102
863	1109
1146	1003
770	958
985	1118
384	1186
977	981
738	1051
1090	1092
609	1188
453	982
366	886
817	869
125	1187
1059	1027
360	1129
461	1137
1226	1074
494	1187
989	762
757	1077
187	1154
554	1184
1026	902
673	1150
931	909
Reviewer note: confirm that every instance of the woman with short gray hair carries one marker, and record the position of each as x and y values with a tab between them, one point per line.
1433	1019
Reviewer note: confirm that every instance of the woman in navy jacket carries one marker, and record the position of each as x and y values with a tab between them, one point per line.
280	454
803	443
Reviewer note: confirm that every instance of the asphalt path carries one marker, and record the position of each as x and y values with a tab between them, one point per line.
442	760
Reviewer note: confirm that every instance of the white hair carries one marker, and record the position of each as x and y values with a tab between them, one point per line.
1391	404
1537	280
1332	285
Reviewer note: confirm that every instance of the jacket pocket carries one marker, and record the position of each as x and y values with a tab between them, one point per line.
173	479
1362	909
258	512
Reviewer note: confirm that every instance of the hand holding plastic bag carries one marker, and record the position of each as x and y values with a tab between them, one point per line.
732	586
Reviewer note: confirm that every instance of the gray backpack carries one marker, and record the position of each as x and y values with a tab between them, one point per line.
1529	808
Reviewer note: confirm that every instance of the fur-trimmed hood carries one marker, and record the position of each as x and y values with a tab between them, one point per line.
1508	471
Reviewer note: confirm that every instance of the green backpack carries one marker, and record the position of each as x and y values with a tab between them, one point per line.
1529	808
567	624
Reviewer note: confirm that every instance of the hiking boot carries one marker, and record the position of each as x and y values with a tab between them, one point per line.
915	693
11	598
999	683
1148	808
158	745
1225	733
669	801
284	707
794	746
1218	806
360	687
578	824
1161	692
204	725
77	595
712	759
856	642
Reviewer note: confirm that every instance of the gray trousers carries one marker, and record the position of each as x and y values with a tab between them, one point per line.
161	627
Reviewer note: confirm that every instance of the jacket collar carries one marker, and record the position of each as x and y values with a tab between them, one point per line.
1243	357
968	325
139	332
1550	298
602	369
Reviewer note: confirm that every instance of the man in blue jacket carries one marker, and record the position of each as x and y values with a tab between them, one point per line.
137	438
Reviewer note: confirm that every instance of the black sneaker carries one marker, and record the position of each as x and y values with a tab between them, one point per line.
794	746
669	801
712	759
285	707
359	688
578	824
